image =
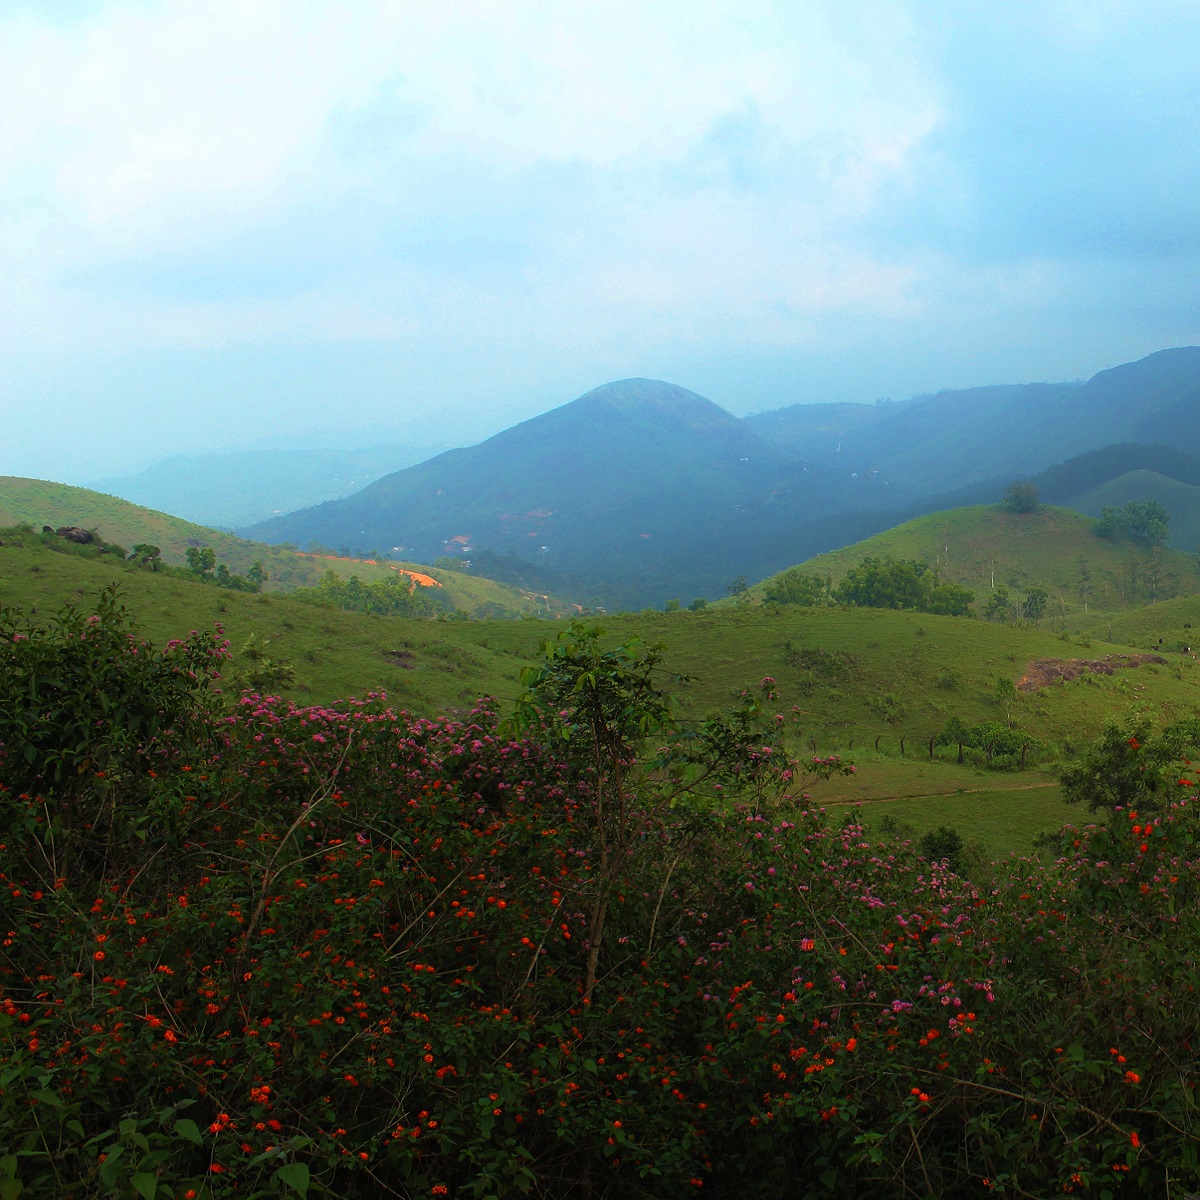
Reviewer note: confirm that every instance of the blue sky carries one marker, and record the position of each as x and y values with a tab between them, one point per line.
230	222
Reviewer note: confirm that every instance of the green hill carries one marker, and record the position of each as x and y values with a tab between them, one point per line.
38	502
852	675
1181	500
982	547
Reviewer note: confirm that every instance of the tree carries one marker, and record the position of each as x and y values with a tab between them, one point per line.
999	604
739	587
884	583
1020	498
147	554
795	586
1034	607
257	575
201	561
1144	521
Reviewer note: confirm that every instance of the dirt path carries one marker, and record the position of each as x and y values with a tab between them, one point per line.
842	803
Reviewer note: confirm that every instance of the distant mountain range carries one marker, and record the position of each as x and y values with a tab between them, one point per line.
240	487
950	440
641	490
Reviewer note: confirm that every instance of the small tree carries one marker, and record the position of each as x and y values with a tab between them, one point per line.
1034	608
147	554
1021	498
201	561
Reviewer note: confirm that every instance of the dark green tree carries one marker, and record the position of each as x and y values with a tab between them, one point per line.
201	561
1021	498
999	604
147	555
1034	607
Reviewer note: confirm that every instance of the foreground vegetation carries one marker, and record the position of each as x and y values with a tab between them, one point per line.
254	949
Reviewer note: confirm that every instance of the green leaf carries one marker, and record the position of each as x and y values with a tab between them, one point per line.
10	1188
8	1165
145	1184
295	1175
127	1126
590	1066
187	1128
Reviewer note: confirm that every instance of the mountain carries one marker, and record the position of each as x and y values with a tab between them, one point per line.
933	444
244	486
639	483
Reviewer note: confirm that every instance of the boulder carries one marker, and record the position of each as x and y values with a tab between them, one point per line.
74	534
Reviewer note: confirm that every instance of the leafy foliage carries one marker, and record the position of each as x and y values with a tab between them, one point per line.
886	583
1021	498
350	957
1144	521
796	586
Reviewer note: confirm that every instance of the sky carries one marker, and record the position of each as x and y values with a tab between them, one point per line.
233	223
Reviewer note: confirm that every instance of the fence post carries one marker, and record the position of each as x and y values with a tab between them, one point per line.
902	737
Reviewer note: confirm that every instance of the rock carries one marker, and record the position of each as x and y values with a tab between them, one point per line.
74	534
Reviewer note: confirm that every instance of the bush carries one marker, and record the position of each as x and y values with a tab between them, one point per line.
351	954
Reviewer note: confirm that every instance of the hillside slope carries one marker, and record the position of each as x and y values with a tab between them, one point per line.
37	502
847	676
983	547
1181	500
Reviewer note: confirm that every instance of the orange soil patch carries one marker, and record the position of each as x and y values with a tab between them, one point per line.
415	576
1044	671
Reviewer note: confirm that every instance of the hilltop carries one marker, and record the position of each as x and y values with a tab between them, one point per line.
641	490
982	547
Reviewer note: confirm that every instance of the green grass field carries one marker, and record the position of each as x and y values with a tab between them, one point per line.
37	502
852	681
1005	813
982	547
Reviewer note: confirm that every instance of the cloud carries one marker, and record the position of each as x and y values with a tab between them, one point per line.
496	199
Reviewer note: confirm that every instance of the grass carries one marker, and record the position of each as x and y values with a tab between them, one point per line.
982	547
1003	812
853	681
37	502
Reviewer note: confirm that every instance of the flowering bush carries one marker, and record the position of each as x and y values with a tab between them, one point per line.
346	951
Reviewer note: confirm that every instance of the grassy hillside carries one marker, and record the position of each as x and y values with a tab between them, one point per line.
1054	548
1181	500
849	676
38	502
871	684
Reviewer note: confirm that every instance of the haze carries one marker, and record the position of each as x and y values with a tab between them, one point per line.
251	222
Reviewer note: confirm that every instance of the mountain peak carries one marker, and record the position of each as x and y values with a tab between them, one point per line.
655	399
